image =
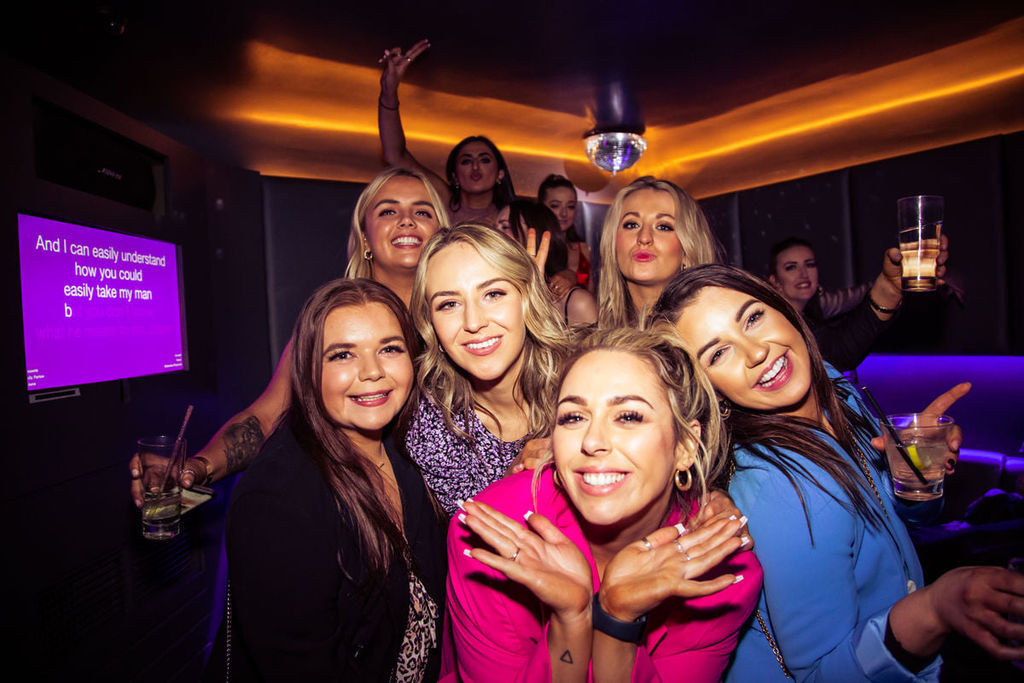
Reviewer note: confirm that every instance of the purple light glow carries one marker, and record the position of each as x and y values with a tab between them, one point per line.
97	305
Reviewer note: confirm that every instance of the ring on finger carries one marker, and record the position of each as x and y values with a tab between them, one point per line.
515	554
647	544
679	547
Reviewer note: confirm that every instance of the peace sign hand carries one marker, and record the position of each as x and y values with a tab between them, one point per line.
395	63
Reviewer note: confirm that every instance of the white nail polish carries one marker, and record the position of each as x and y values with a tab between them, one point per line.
732	518
739	577
527	514
462	518
465	551
680	528
459	504
744	540
743	520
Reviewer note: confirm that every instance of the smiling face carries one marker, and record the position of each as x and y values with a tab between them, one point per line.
614	441
796	275
367	370
476	168
477	314
647	248
562	202
751	352
399	220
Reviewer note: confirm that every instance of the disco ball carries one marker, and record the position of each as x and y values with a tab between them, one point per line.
614	150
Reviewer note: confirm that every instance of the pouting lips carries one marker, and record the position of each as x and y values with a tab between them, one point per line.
602	478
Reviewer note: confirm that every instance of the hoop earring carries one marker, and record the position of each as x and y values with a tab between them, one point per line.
689	480
724	408
367	255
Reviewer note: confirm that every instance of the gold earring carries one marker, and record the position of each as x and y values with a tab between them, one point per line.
689	480
367	255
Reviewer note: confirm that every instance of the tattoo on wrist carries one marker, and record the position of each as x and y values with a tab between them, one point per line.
242	441
566	657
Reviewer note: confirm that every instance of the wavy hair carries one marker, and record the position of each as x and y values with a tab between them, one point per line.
699	246
769	434
357	484
690	395
357	265
503	190
448	385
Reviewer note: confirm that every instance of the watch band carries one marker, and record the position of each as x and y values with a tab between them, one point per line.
628	631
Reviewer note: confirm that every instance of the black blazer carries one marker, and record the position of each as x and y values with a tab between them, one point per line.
295	613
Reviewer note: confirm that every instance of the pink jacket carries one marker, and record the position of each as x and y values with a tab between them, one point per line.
498	628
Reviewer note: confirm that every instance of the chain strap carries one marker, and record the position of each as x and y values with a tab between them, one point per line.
863	462
771	643
227	641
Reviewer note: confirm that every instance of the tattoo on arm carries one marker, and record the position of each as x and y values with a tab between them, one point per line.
242	440
566	657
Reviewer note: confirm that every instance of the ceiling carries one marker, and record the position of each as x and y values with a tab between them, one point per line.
733	94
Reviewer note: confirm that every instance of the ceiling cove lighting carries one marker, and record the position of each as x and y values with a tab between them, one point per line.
616	149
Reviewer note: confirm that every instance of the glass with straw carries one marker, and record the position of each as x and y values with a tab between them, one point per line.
162	459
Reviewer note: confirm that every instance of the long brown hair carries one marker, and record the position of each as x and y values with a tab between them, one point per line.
772	434
357	485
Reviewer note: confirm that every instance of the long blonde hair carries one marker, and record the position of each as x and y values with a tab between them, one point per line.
690	395
445	383
699	247
357	242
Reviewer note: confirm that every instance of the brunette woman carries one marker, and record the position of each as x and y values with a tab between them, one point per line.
493	343
333	545
843	595
559	194
653	230
592	558
393	218
476	183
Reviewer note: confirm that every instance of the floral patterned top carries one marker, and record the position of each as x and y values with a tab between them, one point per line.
456	468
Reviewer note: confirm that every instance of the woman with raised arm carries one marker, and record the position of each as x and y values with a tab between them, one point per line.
843	596
652	230
476	183
393	218
593	557
335	565
493	342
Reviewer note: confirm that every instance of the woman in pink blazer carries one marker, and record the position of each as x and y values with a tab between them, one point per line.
585	568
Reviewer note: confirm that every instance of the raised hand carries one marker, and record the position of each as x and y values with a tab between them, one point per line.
939	406
645	573
395	62
538	556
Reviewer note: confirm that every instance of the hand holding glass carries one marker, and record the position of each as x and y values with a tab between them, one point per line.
161	474
924	440
920	226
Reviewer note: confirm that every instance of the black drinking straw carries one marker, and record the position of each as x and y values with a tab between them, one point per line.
895	437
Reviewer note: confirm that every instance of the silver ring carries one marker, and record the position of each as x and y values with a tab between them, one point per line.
408	59
679	547
647	544
515	554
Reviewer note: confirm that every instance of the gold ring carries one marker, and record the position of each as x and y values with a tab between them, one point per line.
647	544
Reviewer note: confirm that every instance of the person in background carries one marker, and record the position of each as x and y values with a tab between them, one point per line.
393	218
577	304
477	182
335	564
843	596
594	558
653	230
559	194
846	322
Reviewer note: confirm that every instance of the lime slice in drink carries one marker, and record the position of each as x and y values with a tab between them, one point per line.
914	457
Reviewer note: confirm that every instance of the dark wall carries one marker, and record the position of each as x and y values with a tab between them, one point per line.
83	594
850	217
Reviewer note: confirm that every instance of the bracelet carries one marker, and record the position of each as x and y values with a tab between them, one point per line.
882	309
628	631
381	103
207	475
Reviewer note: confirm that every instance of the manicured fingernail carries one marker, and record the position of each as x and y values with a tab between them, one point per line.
732	518
680	529
739	577
743	520
462	518
526	515
465	551
744	540
135	473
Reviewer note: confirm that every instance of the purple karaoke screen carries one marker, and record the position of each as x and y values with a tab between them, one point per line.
97	305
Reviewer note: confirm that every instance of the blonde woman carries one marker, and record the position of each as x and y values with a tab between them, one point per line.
652	230
493	345
394	217
596	557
